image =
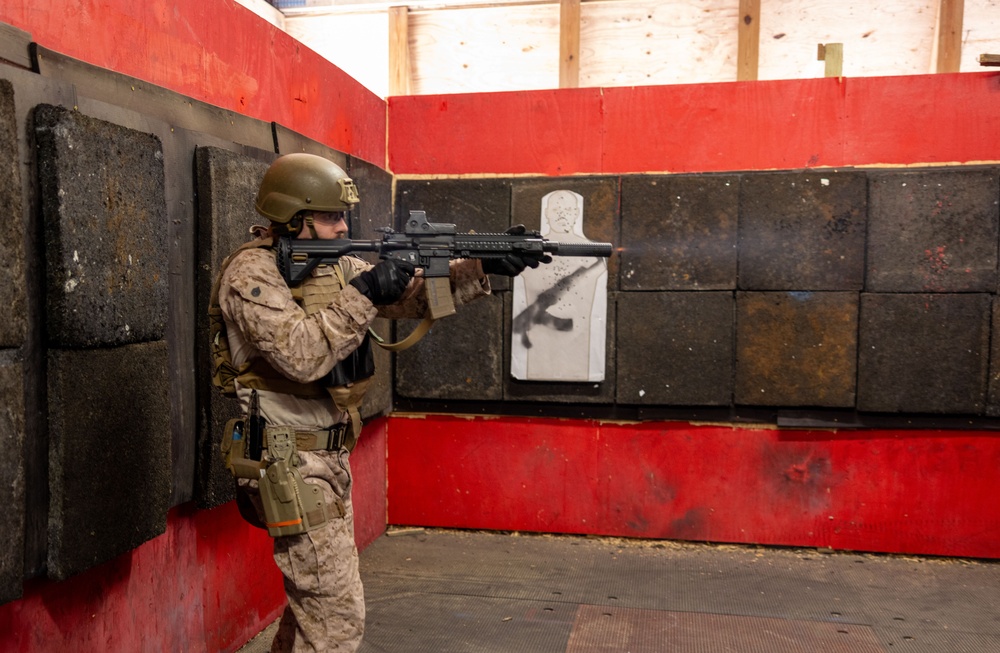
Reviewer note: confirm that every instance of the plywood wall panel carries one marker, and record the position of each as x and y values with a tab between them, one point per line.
980	32
888	37
357	43
639	43
485	49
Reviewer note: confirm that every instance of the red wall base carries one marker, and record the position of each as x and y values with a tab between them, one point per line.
917	492
192	588
208	584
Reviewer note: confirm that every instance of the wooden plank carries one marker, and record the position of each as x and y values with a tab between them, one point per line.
748	39
569	43
949	35
14	45
399	51
989	60
833	55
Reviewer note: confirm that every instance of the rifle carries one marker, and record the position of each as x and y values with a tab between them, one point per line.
427	245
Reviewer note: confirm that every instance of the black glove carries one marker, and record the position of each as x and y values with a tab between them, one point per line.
386	282
511	265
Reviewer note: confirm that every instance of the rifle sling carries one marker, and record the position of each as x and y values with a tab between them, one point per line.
409	340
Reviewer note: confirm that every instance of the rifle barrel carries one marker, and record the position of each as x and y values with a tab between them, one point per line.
580	249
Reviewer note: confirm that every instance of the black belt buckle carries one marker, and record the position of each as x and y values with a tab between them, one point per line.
338	434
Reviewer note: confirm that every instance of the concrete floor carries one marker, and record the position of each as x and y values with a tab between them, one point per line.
440	591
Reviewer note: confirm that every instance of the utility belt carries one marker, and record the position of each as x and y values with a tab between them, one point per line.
331	439
269	455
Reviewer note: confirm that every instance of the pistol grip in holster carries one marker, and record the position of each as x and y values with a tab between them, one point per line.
234	451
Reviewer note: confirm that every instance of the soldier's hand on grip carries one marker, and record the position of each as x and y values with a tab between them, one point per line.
386	282
511	264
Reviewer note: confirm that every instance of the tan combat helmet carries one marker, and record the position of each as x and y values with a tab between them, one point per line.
303	182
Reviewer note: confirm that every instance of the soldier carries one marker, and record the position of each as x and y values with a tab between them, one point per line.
300	359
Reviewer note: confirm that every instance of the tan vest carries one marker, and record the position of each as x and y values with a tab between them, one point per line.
313	294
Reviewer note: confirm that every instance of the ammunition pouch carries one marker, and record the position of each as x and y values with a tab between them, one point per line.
347	398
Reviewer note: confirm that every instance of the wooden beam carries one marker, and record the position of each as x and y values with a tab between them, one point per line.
949	35
833	55
989	60
569	43
400	74
748	40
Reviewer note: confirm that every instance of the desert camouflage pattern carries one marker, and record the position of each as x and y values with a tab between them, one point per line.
326	610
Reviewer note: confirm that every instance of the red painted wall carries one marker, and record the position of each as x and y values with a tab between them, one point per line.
651	480
700	128
922	492
901	491
218	52
208	584
190	589
194	587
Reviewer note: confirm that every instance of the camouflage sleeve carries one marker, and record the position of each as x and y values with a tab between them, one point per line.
467	283
255	299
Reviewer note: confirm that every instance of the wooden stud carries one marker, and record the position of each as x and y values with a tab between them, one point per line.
989	60
569	43
949	35
748	40
400	75
833	55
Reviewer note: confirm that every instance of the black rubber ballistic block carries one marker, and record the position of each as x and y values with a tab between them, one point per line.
923	353
802	230
458	359
372	213
481	205
11	474
675	348
12	282
993	399
796	348
105	224
109	453
227	184
600	209
679	232
933	231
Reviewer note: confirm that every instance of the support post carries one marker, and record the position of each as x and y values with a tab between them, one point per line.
399	51
748	41
569	43
949	35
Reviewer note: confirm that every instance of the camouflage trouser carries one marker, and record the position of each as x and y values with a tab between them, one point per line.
326	607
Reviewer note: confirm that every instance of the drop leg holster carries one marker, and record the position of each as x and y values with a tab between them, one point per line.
290	505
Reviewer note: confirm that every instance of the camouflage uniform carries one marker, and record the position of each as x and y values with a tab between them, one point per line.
326	609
